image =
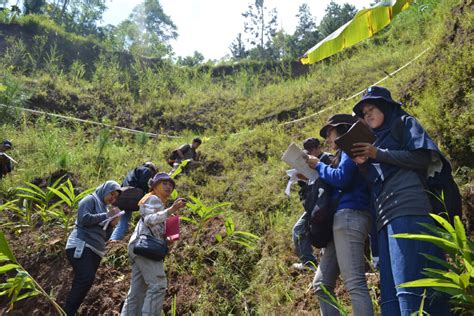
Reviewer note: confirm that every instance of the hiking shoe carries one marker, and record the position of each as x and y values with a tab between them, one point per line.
301	267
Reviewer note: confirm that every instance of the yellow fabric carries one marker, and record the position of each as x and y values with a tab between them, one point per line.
365	24
144	198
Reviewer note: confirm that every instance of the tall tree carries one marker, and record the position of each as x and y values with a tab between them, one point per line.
336	16
147	31
191	61
237	48
151	18
306	33
33	6
261	26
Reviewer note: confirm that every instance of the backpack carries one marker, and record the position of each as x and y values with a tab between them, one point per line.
442	190
319	208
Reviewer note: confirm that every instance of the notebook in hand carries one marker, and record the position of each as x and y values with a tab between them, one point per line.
172	228
358	133
296	158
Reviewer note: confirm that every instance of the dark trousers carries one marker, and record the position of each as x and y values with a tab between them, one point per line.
84	268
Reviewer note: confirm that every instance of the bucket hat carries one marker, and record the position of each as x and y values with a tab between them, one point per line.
375	95
160	177
336	120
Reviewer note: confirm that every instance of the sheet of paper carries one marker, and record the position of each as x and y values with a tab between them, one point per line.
296	158
172	228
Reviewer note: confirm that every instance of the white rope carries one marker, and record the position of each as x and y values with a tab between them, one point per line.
358	93
129	130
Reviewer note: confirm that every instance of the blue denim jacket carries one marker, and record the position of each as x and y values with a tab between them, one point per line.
347	179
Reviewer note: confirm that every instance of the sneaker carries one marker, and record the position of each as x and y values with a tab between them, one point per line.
302	267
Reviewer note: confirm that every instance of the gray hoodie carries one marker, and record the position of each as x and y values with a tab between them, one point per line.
90	213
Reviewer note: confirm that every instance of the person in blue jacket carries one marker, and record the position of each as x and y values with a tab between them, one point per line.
393	169
351	225
85	246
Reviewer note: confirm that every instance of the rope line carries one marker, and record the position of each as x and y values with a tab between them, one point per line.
126	129
358	93
130	130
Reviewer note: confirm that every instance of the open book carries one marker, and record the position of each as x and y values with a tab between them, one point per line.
358	133
296	158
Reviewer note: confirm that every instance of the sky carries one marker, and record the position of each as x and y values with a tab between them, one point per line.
210	26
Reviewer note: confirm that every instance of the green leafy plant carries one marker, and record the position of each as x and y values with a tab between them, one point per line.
333	301
180	168
22	285
201	213
35	201
68	196
458	278
243	238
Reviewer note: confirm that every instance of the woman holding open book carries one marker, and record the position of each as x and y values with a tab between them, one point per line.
392	166
345	253
148	284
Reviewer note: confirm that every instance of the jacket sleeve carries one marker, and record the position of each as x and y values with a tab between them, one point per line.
339	177
86	213
153	211
416	159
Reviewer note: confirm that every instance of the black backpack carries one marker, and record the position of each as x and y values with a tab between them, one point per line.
319	209
442	190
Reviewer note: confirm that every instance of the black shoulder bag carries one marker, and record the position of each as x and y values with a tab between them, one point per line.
150	247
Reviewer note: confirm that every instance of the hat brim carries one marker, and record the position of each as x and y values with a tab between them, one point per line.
357	109
162	180
324	130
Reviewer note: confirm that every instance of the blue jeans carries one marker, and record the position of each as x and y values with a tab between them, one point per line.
345	255
122	226
401	261
84	269
303	246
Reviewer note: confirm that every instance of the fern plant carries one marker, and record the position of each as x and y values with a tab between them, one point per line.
458	278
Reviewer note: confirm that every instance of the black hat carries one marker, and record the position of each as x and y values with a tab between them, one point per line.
310	143
374	95
7	143
336	120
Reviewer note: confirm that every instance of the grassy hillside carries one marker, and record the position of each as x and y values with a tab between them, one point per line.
241	116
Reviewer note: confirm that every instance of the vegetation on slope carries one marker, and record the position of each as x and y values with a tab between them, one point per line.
241	115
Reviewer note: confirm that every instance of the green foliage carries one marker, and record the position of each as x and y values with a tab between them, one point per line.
67	194
458	279
260	26
245	239
22	285
201	214
240	107
333	301
336	16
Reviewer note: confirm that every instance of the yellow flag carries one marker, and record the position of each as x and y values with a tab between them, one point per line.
365	24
